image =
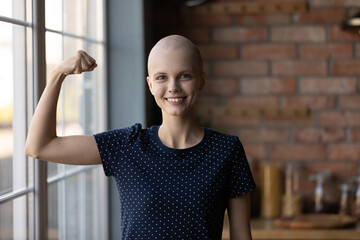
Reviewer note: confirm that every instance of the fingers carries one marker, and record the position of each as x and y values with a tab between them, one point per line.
88	63
84	62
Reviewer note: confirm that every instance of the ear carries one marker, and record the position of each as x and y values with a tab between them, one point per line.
149	82
202	81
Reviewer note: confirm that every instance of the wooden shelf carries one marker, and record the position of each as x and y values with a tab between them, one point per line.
262	229
246	7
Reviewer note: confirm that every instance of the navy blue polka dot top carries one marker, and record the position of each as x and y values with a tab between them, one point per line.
168	193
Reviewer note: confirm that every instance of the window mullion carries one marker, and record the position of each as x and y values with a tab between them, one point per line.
40	172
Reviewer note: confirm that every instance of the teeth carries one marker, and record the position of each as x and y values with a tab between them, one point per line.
175	99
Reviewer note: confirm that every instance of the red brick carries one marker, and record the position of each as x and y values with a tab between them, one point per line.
289	122
240	68
349	102
341	119
298	34
262	19
252	101
234	121
239	34
264	135
337	34
357	50
334	3
315	135
208	100
197	35
355	135
321	16
313	102
206	20
218	51
255	151
327	85
291	152
291	68
221	87
344	151
320	51
267	86
346	67
207	67
268	51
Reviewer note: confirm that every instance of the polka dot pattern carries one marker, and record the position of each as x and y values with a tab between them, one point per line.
170	193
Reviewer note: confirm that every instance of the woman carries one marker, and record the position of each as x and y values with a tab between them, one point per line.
174	180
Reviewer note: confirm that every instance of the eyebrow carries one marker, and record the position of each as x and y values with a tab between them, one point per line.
164	73
159	73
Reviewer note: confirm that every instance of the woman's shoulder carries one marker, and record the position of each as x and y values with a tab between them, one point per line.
222	140
131	132
219	134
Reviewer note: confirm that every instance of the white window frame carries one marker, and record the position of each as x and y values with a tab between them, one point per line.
23	110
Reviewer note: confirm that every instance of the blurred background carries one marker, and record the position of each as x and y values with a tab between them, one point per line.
282	75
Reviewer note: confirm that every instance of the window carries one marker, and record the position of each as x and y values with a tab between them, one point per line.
76	195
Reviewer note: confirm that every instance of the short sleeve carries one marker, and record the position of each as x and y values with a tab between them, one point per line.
241	179
111	145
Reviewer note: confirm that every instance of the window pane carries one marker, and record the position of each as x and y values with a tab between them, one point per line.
54	55
69	16
6	107
18	9
72	92
94	97
91	207
95	19
54	211
6	220
73	208
19	106
12	107
74	17
53	15
15	218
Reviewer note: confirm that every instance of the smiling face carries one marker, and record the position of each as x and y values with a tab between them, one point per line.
175	75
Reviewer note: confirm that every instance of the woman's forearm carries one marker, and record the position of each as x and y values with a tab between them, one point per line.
43	125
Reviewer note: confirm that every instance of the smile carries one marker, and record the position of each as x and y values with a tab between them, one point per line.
175	100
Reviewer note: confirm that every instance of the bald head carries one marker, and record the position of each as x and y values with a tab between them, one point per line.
174	43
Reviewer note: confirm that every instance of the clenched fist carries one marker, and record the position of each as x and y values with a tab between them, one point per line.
81	62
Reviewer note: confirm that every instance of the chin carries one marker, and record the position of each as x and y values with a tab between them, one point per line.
178	113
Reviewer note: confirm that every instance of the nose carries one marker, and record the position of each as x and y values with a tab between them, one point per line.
174	85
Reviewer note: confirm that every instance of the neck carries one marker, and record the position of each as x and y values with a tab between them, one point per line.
180	131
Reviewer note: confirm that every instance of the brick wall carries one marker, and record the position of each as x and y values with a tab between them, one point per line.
302	59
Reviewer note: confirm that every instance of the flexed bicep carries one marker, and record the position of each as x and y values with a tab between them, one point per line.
76	150
42	141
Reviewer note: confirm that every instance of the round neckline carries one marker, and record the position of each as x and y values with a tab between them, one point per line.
169	150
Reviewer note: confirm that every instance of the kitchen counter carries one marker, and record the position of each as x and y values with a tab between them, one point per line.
262	229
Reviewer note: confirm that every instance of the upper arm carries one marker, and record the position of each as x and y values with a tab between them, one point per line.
239	217
78	150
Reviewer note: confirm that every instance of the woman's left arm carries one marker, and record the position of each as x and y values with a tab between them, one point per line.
239	217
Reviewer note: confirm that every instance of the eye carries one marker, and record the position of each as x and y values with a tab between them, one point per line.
186	76
160	77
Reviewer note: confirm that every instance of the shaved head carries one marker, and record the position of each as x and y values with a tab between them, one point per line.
176	43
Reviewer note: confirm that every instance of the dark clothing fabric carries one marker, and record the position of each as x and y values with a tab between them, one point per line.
170	193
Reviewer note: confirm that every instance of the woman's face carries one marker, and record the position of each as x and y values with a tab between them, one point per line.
175	80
